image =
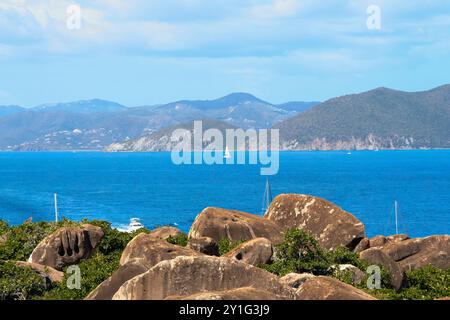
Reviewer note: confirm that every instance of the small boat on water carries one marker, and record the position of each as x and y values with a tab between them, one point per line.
133	226
227	154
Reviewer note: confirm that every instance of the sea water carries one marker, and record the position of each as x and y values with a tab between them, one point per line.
119	186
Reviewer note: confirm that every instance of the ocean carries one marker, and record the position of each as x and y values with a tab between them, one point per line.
120	186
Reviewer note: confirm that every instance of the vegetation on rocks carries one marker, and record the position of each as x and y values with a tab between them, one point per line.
300	252
226	245
19	283
180	239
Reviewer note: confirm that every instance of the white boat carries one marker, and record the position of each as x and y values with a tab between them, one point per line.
227	154
133	226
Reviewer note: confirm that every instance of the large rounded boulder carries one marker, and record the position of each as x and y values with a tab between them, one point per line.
377	257
247	293
141	253
332	226
150	250
327	288
67	246
255	252
416	253
107	289
186	276
218	223
165	233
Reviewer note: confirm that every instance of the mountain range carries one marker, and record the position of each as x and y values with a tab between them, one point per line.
377	119
95	124
382	118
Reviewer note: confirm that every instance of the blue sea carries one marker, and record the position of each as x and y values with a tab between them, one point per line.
119	186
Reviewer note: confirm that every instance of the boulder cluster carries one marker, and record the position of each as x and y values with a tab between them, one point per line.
152	268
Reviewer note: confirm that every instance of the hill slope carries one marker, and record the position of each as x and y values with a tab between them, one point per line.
95	124
161	139
377	119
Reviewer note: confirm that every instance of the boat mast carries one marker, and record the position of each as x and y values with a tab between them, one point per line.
267	199
396	216
56	207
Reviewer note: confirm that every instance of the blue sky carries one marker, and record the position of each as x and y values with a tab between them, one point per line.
140	52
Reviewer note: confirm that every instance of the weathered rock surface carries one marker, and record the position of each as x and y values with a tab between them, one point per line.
357	276
151	251
67	246
186	276
49	274
332	226
247	293
204	245
107	289
362	245
218	223
165	233
326	288
255	252
295	280
378	257
397	238
377	241
416	253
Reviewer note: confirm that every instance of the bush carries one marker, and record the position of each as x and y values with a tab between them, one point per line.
426	283
21	240
226	245
299	252
18	283
180	239
93	272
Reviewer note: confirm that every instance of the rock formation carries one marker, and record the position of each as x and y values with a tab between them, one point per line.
255	252
218	223
326	288
186	276
332	226
67	246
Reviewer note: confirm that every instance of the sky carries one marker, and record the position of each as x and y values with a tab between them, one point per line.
144	52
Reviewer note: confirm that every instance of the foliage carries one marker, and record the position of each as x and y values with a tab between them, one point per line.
426	283
180	239
226	245
342	255
3	227
299	252
21	240
93	272
17	283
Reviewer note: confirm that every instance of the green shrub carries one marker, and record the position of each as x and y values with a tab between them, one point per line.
180	239
3	227
226	245
93	272
17	283
342	255
21	240
299	252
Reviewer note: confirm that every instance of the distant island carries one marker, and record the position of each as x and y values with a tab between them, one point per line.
378	119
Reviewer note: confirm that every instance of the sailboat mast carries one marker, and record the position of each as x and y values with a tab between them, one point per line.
267	199
56	207
396	217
